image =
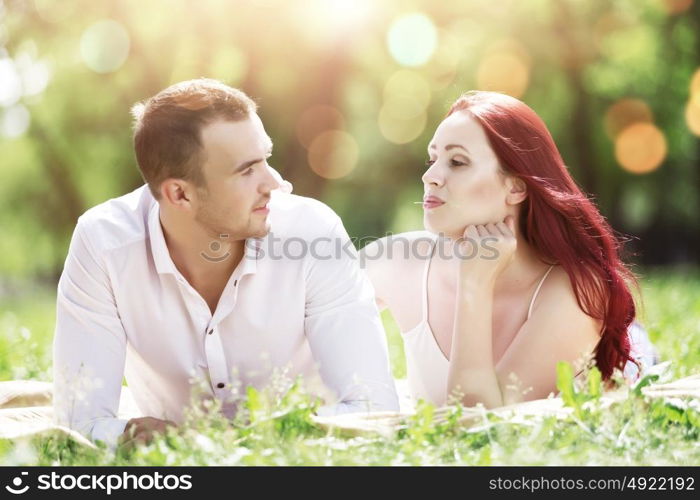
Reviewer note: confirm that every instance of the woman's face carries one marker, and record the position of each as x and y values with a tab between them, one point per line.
463	184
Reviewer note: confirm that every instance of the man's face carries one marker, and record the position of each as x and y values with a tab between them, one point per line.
238	179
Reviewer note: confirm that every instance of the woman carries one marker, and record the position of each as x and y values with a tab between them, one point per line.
517	272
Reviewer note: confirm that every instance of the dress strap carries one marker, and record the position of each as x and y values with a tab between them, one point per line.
424	317
537	290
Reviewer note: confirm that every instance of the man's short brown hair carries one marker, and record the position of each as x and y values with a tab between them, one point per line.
167	128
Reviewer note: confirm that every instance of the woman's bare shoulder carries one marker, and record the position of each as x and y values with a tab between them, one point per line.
558	298
557	287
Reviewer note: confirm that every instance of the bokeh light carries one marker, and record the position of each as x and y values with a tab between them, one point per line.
624	113
692	116
412	39
408	84
442	68
318	119
324	20
35	75
640	148
104	46
54	12
15	121
505	68
692	109
695	85
403	114
638	207
607	24
333	154
398	129
10	83
674	7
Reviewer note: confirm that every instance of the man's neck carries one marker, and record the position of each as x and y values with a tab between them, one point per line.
198	255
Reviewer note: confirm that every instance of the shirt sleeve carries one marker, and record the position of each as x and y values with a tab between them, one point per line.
344	329
89	347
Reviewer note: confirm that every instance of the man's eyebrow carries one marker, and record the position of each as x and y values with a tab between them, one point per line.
250	163
449	146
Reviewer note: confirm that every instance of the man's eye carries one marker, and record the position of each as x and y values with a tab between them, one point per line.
248	171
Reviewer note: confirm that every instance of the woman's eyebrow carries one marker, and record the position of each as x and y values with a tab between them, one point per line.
449	146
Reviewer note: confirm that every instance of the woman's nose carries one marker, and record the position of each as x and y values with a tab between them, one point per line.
431	176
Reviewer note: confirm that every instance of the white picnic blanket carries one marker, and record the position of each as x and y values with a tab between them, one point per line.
26	411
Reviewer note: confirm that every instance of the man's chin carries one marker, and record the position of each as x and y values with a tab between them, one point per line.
261	231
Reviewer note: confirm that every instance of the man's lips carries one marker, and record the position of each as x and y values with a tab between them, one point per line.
263	208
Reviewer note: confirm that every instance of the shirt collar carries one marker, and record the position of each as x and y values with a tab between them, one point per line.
251	254
161	256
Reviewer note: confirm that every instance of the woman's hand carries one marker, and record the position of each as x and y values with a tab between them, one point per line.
487	249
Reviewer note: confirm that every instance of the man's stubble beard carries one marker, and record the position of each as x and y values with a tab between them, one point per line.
206	217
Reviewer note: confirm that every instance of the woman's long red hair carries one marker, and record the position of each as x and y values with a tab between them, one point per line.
559	220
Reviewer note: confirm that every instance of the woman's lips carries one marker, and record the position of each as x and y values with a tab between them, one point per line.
432	202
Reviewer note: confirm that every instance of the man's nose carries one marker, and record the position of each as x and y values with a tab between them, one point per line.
273	180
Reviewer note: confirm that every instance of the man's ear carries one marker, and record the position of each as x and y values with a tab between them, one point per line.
176	192
517	190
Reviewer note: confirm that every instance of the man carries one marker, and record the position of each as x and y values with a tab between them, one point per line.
209	271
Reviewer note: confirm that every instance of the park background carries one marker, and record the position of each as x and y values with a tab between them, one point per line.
351	93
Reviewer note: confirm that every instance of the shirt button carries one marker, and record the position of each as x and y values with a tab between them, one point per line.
235	283
210	331
220	385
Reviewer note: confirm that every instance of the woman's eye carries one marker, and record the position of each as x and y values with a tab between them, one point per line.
429	162
457	163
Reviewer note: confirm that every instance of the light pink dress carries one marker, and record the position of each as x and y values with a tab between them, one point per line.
427	366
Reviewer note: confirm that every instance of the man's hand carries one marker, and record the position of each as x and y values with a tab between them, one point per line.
142	430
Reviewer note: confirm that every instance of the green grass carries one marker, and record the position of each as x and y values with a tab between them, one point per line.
274	431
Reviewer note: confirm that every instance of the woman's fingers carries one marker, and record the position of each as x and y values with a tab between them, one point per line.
470	232
503	229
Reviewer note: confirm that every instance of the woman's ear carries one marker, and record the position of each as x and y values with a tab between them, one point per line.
517	190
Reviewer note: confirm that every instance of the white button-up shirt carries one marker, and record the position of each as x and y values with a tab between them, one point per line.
297	302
